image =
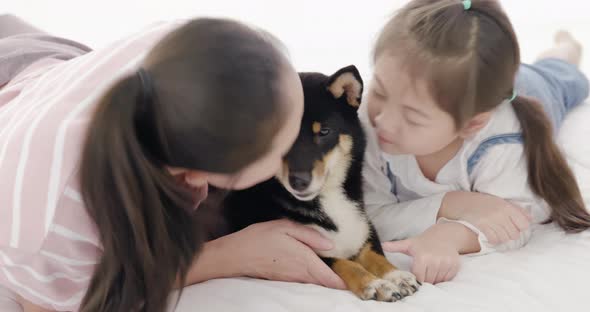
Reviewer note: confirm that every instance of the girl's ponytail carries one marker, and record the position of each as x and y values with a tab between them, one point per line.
550	177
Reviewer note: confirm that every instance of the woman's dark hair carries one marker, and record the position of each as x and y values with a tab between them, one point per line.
206	98
469	59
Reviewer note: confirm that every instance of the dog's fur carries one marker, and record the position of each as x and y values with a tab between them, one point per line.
320	185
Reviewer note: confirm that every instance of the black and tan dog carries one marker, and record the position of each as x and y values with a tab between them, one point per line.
321	186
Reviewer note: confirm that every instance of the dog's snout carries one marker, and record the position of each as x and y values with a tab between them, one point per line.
300	180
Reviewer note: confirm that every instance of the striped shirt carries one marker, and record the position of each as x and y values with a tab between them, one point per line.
48	244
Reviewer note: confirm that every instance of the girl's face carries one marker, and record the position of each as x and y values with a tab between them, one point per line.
405	117
269	164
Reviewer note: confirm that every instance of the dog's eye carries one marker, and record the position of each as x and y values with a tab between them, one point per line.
324	131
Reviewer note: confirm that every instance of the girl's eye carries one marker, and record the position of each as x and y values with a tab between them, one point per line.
324	131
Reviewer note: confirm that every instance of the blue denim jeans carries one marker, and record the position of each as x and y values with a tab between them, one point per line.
556	84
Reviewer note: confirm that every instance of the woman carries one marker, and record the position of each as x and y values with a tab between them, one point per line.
105	156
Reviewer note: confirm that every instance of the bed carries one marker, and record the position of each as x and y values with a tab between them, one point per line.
551	273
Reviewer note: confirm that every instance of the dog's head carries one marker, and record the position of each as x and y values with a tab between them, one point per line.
331	136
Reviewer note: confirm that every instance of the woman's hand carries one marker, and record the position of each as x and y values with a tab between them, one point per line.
278	250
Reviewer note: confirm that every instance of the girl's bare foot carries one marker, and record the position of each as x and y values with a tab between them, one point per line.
566	48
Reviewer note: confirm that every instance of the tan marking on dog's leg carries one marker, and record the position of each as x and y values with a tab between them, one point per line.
375	263
378	265
364	284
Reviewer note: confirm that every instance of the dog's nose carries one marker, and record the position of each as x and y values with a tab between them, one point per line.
299	180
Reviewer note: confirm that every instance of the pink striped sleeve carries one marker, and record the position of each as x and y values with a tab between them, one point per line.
56	276
49	246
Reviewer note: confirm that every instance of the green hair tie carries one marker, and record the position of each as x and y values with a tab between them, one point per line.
514	95
466	4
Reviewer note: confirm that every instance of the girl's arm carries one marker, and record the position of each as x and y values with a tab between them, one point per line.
502	205
436	252
396	220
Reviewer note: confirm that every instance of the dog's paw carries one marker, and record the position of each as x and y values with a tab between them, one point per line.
404	280
381	290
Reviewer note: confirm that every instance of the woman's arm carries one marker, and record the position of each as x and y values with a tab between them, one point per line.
276	250
214	261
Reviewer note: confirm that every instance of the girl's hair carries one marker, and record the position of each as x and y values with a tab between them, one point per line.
468	60
207	98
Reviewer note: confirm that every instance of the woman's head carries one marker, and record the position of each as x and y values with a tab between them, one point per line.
225	97
214	100
439	69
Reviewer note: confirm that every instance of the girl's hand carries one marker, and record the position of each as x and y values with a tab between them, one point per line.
278	250
436	251
500	220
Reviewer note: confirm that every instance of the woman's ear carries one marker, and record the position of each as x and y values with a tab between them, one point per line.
176	171
196	178
475	124
191	177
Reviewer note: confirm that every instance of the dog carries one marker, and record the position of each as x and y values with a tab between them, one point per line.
320	185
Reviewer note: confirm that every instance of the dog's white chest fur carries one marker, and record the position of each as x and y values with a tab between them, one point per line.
353	229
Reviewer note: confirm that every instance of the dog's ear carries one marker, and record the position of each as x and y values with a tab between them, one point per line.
347	82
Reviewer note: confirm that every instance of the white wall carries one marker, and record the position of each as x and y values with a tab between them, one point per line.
321	35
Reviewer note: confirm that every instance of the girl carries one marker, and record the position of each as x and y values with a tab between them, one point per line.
456	118
105	156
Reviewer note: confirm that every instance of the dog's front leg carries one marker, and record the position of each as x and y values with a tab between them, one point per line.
371	257
362	282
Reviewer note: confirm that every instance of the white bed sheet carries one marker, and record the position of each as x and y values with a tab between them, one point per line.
551	273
